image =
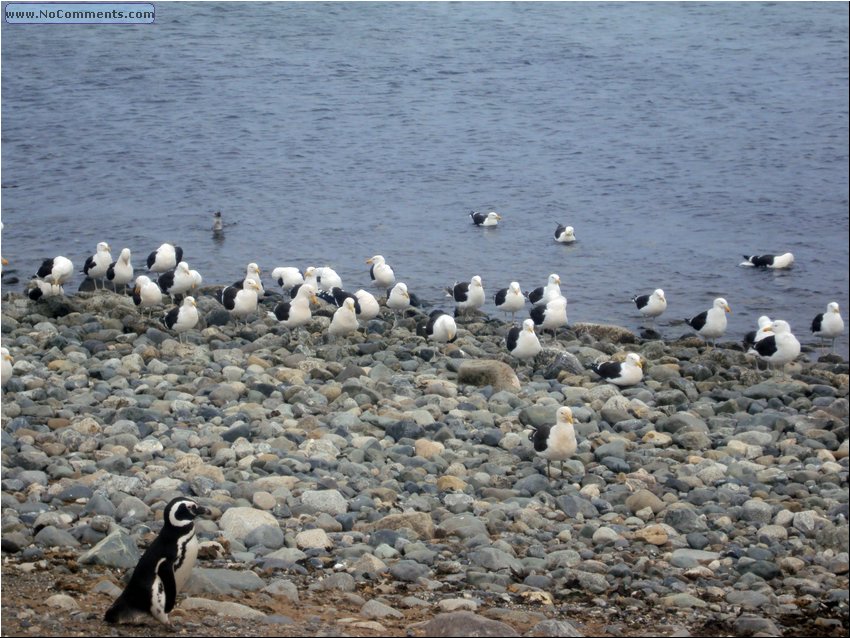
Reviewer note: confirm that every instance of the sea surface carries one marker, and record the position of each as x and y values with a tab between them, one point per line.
674	137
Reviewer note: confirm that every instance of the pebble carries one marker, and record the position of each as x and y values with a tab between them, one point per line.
382	458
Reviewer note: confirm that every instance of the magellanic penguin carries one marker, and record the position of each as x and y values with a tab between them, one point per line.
163	569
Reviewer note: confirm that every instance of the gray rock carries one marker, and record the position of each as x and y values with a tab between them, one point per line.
692	557
751	625
116	550
463	525
339	582
465	623
496	560
54	537
483	372
328	501
684	520
282	588
237	522
554	628
408	571
222	608
376	609
270	536
226	582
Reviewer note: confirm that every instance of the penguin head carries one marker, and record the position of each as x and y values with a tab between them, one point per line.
182	512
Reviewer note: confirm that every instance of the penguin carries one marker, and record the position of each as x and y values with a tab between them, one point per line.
163	569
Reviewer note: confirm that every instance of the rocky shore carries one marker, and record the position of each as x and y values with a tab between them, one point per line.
390	482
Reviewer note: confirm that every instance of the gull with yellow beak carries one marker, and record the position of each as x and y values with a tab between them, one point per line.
555	442
629	372
711	324
182	318
381	272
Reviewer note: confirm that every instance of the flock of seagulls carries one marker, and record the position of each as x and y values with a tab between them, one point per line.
773	340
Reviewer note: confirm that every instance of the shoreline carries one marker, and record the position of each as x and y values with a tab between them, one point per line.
710	490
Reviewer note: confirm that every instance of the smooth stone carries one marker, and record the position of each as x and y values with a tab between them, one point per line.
486	372
237	522
226	582
63	602
377	609
313	539
222	608
116	550
328	501
465	623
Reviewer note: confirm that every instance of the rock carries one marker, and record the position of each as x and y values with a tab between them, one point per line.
408	571
465	623
116	550
484	372
376	609
428	449
419	522
270	536
62	601
313	539
54	537
602	332
226	582
653	534
237	522
282	588
692	557
751	625
554	628
495	560
644	498
222	608
328	501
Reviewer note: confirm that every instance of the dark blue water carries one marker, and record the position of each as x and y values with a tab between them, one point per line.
673	137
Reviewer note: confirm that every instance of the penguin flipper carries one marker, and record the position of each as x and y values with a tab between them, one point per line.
122	612
165	571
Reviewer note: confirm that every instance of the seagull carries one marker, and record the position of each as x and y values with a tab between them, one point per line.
165	258
287	277
556	442
182	318
441	327
146	293
757	335
398	299
344	321
241	302
5	366
485	219
828	324
651	305
337	297
120	272
468	295
629	372
56	271
545	294
296	313
711	324
96	265
252	271
776	262
779	348
40	288
380	272
510	299
369	306
178	281
523	342
553	315
328	278
565	234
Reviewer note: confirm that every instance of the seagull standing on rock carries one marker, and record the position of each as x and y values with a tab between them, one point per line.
556	442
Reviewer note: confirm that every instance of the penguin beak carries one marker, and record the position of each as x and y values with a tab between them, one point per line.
200	510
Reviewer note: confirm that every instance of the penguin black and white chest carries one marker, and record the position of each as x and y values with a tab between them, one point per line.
163	569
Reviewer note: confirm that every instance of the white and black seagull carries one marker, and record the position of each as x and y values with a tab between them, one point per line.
56	271
467	295
522	341
551	316
651	305
120	271
786	260
555	442
629	372
146	293
183	317
288	277
296	313
758	334
96	265
510	299
711	324
241	302
165	258
485	219
547	293
381	272
565	234
163	569
178	281
779	348
829	324
441	327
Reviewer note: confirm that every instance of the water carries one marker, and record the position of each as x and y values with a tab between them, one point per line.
673	137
